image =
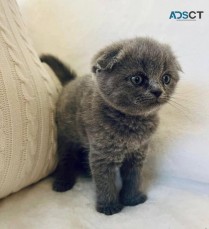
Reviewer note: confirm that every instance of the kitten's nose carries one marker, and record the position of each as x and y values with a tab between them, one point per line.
156	92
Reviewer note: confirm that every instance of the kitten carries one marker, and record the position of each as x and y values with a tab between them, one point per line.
107	118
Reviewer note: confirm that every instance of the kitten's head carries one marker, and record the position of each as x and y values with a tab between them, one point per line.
136	76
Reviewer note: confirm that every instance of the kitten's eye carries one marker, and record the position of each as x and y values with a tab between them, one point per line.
166	79
136	80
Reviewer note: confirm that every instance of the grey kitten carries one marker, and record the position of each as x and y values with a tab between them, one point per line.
106	119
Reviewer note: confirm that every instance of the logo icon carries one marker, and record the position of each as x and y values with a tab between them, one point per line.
186	15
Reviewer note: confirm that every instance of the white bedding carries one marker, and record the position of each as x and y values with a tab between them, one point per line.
177	169
173	204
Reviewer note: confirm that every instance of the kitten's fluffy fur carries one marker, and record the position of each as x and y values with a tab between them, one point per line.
107	118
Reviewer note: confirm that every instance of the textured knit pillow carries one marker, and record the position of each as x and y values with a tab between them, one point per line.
27	106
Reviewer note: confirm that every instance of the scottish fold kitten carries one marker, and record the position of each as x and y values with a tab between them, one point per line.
105	120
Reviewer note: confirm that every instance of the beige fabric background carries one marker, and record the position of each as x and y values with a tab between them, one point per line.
27	103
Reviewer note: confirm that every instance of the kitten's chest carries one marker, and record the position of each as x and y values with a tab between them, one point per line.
119	142
130	134
136	128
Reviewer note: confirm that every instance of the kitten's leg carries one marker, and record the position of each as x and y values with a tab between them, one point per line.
66	172
104	176
130	194
83	163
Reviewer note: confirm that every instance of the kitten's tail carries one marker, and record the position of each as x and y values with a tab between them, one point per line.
64	73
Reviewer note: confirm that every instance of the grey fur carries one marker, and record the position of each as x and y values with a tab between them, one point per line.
107	120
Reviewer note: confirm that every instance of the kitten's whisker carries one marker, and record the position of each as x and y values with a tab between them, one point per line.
184	99
175	99
185	109
179	109
180	105
187	92
192	112
187	89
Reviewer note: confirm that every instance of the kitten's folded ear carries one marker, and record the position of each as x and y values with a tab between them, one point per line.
107	58
178	66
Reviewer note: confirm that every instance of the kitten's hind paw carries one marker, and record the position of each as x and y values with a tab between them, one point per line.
62	186
139	198
109	209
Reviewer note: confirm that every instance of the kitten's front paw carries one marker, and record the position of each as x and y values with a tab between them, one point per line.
62	186
109	209
128	200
